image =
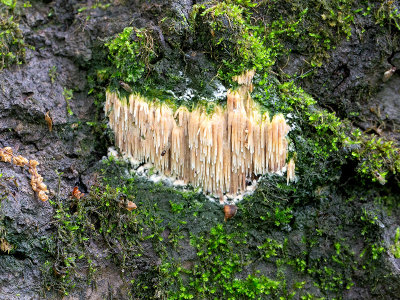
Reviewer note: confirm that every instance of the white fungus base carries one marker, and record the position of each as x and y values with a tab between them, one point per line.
146	171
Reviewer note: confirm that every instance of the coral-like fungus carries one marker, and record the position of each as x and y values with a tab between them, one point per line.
290	173
216	152
6	155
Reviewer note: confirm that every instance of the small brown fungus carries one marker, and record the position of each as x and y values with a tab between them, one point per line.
229	211
6	154
49	121
131	206
20	161
76	193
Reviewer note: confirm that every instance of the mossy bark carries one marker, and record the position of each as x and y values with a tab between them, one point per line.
329	235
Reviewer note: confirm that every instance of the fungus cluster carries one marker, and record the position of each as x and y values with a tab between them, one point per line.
219	152
290	172
6	155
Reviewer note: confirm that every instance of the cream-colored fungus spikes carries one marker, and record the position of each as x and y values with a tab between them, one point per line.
245	79
290	171
218	152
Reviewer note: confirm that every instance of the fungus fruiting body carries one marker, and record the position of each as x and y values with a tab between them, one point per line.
6	155
131	206
218	152
290	176
229	211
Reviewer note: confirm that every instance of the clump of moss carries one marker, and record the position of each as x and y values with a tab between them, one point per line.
130	54
319	25
12	44
195	254
140	63
378	156
215	274
236	35
337	139
101	217
388	12
233	42
249	34
395	247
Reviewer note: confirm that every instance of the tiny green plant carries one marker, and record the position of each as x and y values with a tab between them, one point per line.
10	3
176	207
395	248
53	74
68	95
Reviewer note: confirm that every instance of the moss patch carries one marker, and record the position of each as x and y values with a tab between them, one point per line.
184	250
12	44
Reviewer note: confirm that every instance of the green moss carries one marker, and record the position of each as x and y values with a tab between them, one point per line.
238	35
247	255
334	273
320	25
101	218
330	138
98	216
233	42
130	54
377	156
214	275
68	95
395	248
9	4
12	44
252	35
387	12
